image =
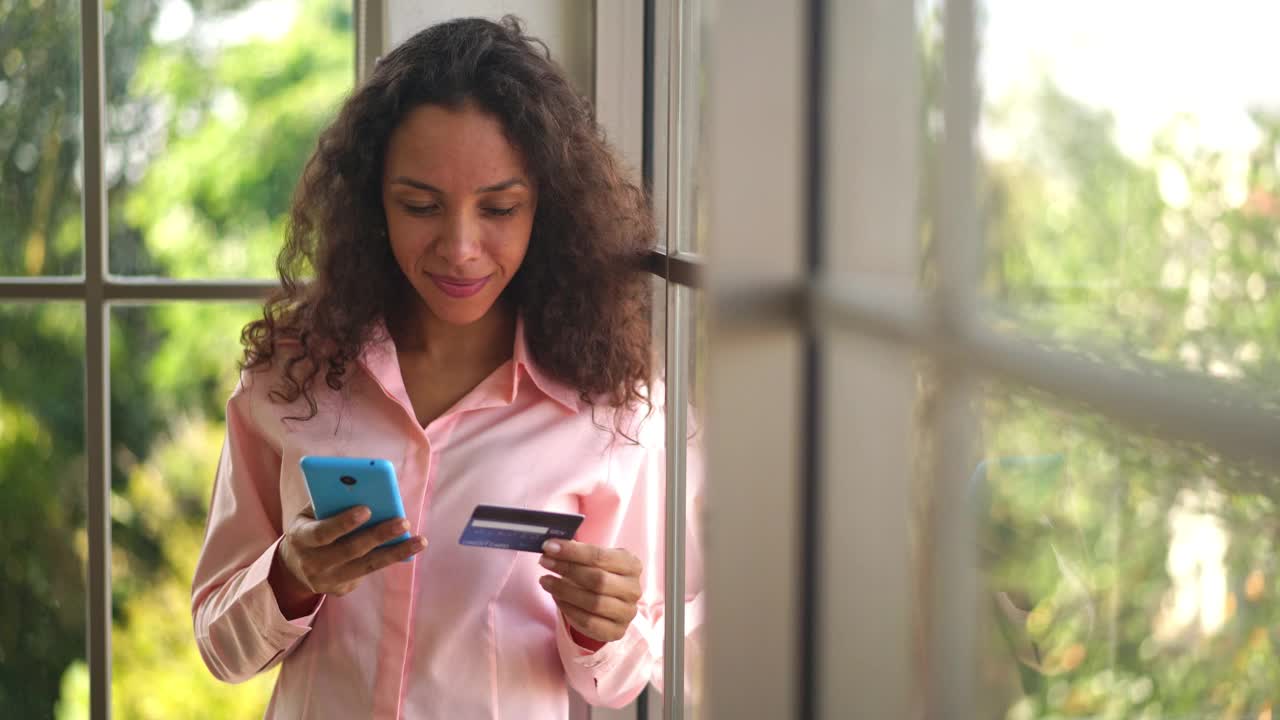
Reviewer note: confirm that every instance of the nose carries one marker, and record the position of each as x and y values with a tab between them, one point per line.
459	240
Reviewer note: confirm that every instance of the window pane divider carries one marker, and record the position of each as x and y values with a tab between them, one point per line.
952	609
37	289
118	289
97	361
122	290
1169	402
369	19
677	380
1154	398
681	268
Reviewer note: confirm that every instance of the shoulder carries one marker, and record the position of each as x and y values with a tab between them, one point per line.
259	380
270	392
640	424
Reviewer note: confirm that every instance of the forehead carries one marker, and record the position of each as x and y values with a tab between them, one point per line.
462	146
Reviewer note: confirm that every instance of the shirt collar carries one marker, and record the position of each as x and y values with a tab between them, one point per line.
380	359
551	387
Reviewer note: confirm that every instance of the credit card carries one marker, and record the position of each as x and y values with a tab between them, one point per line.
508	528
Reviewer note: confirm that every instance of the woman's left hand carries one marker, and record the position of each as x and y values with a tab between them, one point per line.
598	588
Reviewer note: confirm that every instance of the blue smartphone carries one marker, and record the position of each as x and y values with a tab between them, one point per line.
336	484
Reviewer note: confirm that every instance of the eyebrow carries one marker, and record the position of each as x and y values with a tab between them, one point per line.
496	187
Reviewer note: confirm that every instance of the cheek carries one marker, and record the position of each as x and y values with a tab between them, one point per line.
408	240
511	246
404	250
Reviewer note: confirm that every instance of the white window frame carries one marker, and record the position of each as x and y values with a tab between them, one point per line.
822	620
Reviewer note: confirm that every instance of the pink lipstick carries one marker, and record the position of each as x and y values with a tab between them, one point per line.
458	287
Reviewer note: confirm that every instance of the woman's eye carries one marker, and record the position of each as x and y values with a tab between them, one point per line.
421	209
501	212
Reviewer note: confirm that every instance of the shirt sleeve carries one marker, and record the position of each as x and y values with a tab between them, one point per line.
629	512
239	626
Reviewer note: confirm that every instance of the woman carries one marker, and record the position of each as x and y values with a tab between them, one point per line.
476	319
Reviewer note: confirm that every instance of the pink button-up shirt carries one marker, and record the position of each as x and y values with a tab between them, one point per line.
459	632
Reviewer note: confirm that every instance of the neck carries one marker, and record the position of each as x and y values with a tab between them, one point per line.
485	342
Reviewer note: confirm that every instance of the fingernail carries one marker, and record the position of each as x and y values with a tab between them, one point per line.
402	526
419	543
551	546
363	514
544	581
547	562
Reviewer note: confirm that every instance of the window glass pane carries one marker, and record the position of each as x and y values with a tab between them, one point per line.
220	104
40	133
1123	576
43	545
173	367
1131	177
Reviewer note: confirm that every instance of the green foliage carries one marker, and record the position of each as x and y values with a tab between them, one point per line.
42	607
1143	582
211	138
158	672
39	137
214	202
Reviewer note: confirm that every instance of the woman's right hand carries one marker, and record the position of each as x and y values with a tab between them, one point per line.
324	557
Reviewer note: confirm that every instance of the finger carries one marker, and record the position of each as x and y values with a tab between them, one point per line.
603	605
319	533
596	580
616	560
358	544
593	626
380	558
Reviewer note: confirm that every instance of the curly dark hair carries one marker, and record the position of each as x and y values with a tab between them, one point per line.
585	305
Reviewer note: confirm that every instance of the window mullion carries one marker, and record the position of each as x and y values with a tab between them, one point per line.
41	289
97	366
676	385
952	560
369	16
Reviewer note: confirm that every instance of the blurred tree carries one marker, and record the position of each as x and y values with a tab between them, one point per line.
157	672
1108	596
207	130
1128	577
39	137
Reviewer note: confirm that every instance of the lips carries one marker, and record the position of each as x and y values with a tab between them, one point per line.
459	287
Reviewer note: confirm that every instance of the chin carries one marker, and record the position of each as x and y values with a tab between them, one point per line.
455	311
458	316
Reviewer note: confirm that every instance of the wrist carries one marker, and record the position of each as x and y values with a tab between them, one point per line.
294	599
586	643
